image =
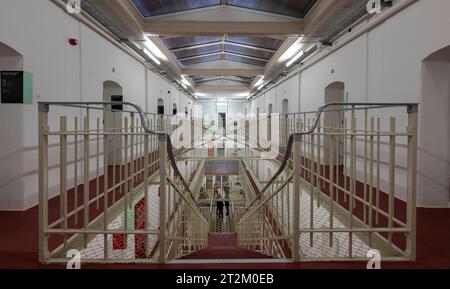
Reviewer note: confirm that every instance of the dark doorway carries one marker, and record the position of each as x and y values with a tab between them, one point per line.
160	106
434	131
222	122
117	98
334	122
112	92
174	110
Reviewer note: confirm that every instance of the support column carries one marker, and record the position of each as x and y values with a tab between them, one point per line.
296	199
412	182
162	197
43	182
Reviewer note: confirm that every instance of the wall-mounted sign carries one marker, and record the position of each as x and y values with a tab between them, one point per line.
117	98
16	87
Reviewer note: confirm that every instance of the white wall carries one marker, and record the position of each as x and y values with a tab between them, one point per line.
383	65
39	30
435	133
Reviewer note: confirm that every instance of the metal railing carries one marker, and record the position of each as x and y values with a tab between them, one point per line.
346	184
110	186
259	231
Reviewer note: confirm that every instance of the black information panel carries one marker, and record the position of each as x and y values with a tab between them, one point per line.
12	86
118	98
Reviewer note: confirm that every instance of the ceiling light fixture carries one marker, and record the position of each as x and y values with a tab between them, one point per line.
292	50
261	86
295	58
151	46
185	80
201	94
244	94
149	54
260	81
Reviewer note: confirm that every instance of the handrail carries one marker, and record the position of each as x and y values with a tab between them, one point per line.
318	113
45	106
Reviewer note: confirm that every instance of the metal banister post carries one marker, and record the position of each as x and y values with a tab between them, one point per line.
296	199
162	138
258	144
43	182
412	182
247	132
192	132
146	188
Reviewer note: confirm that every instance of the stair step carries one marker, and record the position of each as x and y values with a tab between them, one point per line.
224	246
226	253
222	240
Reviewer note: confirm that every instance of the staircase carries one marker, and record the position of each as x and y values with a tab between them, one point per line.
224	246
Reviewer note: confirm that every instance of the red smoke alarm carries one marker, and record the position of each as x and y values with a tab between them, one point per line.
73	41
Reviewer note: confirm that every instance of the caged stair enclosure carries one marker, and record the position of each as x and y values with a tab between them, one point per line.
327	185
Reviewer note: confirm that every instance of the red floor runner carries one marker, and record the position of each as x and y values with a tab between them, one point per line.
224	246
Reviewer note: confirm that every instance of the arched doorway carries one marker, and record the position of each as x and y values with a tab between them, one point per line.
434	131
174	109
112	92
284	122
334	122
285	106
10	59
160	106
12	142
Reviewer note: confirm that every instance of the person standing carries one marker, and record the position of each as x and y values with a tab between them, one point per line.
219	202
226	188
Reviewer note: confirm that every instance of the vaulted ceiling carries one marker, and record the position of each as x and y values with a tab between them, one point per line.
224	47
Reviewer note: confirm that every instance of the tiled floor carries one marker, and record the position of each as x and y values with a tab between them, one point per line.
95	248
321	220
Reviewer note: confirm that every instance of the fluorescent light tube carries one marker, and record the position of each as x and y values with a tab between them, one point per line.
292	50
151	46
185	81
294	59
260	81
152	56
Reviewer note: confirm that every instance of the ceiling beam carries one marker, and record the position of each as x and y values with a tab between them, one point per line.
223	53
250	47
196	46
220	78
199	56
247	56
224	72
218	28
318	12
226	43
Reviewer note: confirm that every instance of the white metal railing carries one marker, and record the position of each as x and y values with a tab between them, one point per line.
258	230
110	187
335	194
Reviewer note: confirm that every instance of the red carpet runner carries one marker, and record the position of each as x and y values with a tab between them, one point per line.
224	246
